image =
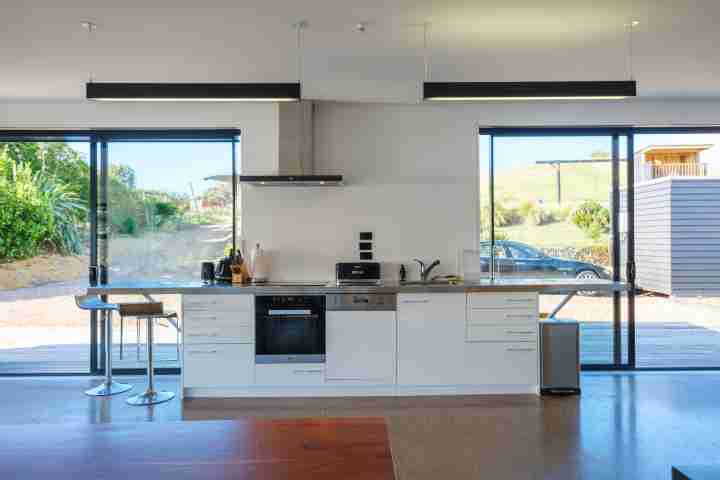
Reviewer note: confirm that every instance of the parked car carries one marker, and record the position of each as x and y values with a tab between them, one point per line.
522	260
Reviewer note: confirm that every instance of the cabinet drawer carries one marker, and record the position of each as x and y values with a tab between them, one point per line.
501	363
514	300
218	303
230	332
423	300
502	317
501	333
287	374
218	365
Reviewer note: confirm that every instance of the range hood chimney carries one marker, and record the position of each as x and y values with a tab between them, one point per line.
295	161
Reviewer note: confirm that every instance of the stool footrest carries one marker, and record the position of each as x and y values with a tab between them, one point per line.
106	389
150	398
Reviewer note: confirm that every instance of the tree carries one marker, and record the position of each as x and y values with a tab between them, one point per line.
56	160
125	174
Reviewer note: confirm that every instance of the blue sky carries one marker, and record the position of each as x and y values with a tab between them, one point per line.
511	152
172	166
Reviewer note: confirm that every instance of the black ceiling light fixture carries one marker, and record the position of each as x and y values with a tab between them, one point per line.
193	91
543	90
478	91
189	92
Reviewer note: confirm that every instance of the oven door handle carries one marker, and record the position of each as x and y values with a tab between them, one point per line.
287	313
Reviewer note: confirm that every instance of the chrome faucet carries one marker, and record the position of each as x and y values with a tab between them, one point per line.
426	269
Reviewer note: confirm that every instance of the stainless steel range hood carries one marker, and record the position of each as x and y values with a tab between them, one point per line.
294	165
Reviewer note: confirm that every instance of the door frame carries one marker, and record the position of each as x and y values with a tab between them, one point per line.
614	133
104	138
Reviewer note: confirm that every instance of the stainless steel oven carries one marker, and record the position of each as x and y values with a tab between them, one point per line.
290	329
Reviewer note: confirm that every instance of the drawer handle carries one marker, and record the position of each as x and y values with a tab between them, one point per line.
203	334
202	352
518	300
416	301
306	372
516	349
517	315
201	317
519	332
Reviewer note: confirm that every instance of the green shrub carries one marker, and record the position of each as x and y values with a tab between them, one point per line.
561	214
128	226
506	217
527	209
163	212
541	216
66	208
592	218
26	222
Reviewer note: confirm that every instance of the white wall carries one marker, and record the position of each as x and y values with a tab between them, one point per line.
411	170
411	177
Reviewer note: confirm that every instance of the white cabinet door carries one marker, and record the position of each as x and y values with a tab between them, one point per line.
360	347
501	363
218	365
431	338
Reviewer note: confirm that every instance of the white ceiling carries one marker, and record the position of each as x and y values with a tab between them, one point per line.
44	52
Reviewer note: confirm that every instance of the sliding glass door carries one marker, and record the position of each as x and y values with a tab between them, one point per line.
44	250
677	245
550	210
166	204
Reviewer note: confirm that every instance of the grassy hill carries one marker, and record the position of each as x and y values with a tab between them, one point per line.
535	183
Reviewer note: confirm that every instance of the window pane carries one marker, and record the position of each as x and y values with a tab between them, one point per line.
552	215
44	257
553	198
166	216
677	250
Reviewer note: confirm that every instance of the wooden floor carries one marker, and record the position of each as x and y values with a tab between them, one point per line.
623	426
300	449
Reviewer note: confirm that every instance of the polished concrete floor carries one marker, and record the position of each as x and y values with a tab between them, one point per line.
632	426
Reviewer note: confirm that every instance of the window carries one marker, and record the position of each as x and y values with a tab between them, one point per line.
549	199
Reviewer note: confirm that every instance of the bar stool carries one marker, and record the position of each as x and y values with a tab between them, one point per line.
93	303
150	311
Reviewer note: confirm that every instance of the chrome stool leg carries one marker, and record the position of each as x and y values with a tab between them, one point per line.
122	330
108	387
150	396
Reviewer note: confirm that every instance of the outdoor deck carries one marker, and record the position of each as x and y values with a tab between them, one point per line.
76	358
660	345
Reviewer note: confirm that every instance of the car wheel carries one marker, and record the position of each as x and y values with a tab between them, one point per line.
587	275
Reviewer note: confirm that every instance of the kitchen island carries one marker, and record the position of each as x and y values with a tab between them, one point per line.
428	339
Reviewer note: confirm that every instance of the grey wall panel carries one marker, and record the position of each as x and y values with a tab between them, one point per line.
695	236
653	223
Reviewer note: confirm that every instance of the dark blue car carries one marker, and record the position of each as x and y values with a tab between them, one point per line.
521	260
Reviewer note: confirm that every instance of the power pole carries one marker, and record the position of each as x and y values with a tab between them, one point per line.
557	182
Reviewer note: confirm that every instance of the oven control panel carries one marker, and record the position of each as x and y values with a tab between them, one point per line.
361	301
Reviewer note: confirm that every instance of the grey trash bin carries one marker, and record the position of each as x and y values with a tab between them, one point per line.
559	356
